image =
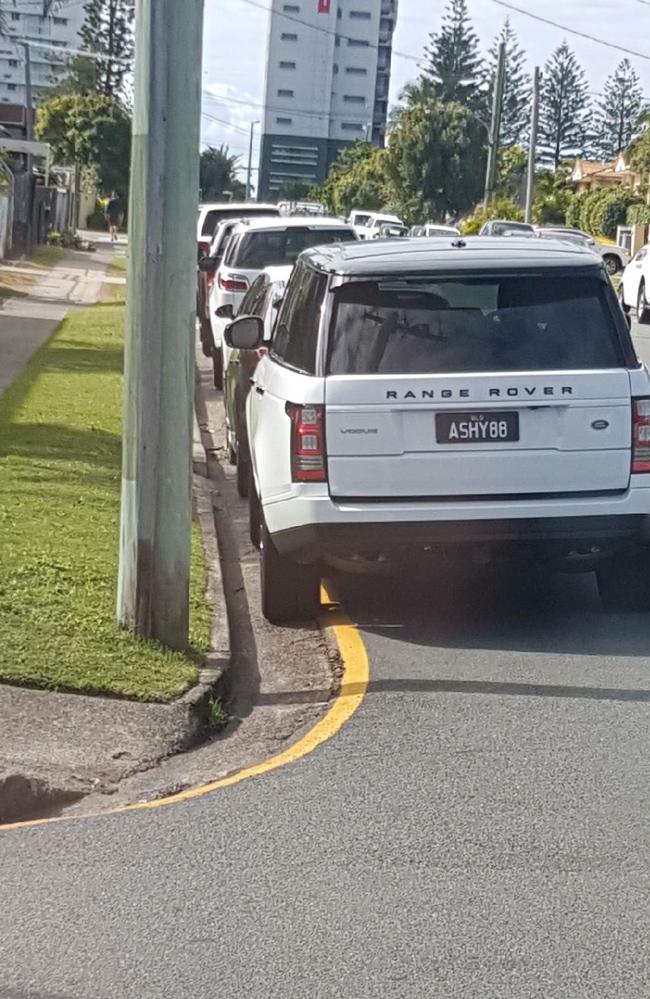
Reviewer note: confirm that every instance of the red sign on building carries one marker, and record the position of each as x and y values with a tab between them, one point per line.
324	6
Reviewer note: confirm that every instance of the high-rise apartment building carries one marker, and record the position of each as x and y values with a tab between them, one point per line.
24	19
327	80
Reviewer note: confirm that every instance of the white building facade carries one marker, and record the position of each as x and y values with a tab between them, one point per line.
327	80
25	19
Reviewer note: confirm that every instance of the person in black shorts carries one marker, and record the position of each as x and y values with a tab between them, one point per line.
113	215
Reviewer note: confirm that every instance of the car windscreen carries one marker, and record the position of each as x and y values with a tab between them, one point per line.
501	228
217	215
499	323
277	247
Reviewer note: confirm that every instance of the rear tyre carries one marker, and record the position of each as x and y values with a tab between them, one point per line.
217	367
289	591
254	512
232	455
624	581
642	307
207	343
612	264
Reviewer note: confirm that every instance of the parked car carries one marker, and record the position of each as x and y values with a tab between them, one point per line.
634	289
423	401
371	228
391	230
261	299
502	227
210	215
614	257
207	269
432	230
253	245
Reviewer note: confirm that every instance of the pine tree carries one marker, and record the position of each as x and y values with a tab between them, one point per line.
619	111
515	118
565	109
108	30
454	61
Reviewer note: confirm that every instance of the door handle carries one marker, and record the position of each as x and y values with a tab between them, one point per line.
260	391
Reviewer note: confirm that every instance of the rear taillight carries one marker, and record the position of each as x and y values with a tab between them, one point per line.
308	455
640	435
236	282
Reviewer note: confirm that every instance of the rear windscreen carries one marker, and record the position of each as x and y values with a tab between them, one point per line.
507	323
213	218
278	247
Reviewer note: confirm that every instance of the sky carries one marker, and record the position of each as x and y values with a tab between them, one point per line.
235	45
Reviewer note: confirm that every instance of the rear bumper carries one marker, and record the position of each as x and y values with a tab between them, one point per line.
317	541
310	526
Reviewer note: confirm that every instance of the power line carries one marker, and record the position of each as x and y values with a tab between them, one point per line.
286	110
563	27
222	121
328	31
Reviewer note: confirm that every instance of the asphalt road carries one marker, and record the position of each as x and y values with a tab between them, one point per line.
479	829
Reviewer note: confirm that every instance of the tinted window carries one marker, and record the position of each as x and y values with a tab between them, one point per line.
511	323
275	247
252	303
499	228
217	215
296	335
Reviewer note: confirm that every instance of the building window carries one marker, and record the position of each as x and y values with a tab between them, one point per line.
287	65
360	15
60	20
285	93
356	70
291	8
351	126
339	13
358	43
11	86
13	62
15	17
337	41
283	121
353	99
335	69
288	36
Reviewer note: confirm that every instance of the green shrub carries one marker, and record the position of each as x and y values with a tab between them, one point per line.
638	215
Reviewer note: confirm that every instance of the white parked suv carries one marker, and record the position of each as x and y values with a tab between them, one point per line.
476	399
254	245
634	289
368	224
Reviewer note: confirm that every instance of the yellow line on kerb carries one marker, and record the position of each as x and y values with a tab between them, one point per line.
354	684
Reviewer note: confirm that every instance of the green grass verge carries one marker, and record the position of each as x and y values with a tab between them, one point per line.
115	292
47	256
60	463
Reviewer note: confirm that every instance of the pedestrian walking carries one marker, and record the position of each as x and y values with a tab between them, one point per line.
113	214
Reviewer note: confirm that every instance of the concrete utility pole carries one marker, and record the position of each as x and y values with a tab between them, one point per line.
532	149
29	135
153	586
249	172
495	126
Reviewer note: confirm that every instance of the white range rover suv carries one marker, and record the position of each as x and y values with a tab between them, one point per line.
475	398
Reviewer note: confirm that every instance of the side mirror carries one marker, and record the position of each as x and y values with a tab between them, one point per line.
245	333
278	302
224	312
208	265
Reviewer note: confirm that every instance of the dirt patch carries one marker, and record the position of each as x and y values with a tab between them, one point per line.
23	798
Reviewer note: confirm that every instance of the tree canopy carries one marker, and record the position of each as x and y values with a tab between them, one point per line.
565	112
218	175
90	130
453	60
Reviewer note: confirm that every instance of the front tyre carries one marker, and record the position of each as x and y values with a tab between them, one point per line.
621	301
290	592
624	581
